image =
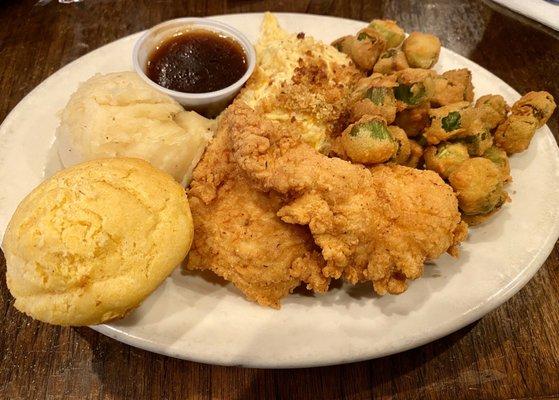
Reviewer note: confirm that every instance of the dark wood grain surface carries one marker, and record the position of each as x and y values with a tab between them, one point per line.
513	352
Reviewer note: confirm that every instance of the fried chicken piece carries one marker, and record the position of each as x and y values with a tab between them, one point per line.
378	224
239	237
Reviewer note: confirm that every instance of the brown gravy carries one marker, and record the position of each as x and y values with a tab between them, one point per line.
197	61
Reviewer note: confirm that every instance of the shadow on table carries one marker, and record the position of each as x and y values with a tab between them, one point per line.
127	372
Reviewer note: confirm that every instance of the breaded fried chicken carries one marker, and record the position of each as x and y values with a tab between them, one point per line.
239	237
378	224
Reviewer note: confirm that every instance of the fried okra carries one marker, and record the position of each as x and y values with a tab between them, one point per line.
445	158
448	122
477	137
390	31
492	110
479	186
459	122
344	43
369	141
499	157
540	105
390	61
515	133
422	49
364	49
367	48
374	96
452	87
404	148
413	120
374	80
416	155
528	114
415	86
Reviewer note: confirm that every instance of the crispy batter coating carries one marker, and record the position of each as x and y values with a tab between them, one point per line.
515	134
374	95
415	159
415	87
445	158
239	237
390	61
366	48
449	122
491	110
422	49
343	44
477	138
368	141
479	186
499	157
390	31
379	225
413	120
538	104
452	87
528	114
404	147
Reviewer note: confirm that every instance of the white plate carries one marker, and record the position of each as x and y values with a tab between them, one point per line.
192	318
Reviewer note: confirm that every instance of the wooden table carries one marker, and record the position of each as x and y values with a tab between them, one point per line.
511	353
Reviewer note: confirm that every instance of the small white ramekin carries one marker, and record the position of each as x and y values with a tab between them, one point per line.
211	103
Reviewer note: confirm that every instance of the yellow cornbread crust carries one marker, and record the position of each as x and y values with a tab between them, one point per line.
89	244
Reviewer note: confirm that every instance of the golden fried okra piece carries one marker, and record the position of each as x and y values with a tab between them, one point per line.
537	104
477	137
453	86
376	80
416	155
448	122
404	148
413	120
460	122
492	110
374	95
445	158
422	49
343	44
390	31
369	141
377	101
415	86
479	186
366	48
390	61
499	157
515	134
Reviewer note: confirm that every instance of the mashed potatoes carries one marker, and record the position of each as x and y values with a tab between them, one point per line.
119	115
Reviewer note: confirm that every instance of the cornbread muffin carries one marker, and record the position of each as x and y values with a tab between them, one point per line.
119	115
89	244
